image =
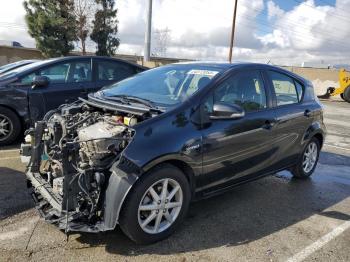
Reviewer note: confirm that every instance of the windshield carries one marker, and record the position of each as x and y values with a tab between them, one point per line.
13	65
167	85
24	68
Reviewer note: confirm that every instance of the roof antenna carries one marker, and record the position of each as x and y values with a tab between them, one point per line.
268	62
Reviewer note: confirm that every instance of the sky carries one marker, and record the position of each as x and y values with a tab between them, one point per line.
286	32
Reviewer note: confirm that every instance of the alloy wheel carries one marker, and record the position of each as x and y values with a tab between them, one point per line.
160	206
5	127
310	157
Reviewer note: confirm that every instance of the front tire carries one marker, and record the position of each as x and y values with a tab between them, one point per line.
156	205
10	126
308	161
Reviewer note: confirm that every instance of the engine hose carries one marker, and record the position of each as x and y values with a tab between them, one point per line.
80	122
86	193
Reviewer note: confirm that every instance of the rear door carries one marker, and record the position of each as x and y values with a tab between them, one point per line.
108	71
293	117
69	80
235	149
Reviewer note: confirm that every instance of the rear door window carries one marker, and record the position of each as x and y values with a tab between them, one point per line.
113	71
285	89
81	72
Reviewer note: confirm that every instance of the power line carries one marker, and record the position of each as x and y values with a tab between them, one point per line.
263	23
345	18
246	21
296	23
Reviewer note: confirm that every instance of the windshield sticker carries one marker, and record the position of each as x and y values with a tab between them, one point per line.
203	72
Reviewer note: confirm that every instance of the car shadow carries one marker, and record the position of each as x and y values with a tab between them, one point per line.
14	197
15	145
245	214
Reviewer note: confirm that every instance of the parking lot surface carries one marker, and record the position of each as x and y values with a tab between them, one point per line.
276	218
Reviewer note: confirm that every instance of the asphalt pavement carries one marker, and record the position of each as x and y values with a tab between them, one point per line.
276	218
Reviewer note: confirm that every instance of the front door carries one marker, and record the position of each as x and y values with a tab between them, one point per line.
235	148
68	81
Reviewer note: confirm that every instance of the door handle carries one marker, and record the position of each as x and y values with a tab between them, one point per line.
268	124
307	113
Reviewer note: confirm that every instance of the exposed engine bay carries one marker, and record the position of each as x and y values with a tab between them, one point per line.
69	155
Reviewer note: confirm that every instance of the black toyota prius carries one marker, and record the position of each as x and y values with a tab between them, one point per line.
28	91
138	152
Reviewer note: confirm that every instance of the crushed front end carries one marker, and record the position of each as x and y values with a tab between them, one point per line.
70	155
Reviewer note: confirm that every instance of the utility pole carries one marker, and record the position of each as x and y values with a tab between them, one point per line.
233	32
147	47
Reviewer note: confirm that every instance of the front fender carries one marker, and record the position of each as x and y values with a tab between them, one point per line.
119	185
124	175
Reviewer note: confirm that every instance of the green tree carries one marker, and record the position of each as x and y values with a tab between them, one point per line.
52	24
105	28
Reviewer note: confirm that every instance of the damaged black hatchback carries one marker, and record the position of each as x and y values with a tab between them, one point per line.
137	152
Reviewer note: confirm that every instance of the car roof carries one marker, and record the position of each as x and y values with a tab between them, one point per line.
35	65
225	65
237	65
67	58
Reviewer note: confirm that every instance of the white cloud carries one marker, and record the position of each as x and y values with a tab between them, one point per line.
200	29
274	10
12	24
312	33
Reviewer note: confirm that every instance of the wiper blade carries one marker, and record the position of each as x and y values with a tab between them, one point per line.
118	99
143	101
128	99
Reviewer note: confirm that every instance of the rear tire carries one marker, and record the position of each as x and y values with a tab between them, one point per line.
342	96
146	204
346	94
10	126
308	160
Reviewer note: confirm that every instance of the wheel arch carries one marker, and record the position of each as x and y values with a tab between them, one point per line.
320	138
317	130
185	168
121	184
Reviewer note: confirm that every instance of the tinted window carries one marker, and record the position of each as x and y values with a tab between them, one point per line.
73	72
81	73
56	73
285	89
114	71
245	89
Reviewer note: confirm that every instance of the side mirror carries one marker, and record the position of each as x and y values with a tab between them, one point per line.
40	81
227	111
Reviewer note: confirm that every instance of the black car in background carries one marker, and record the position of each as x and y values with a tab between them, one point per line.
14	65
136	153
28	92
